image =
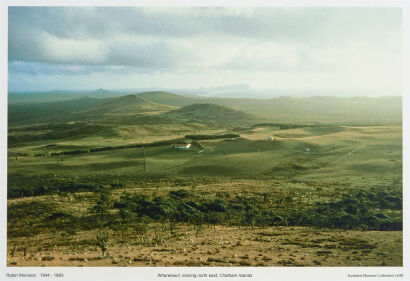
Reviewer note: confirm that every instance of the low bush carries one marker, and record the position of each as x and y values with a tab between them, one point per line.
360	209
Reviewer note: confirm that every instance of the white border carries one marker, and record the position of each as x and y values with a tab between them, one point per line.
406	130
3	135
150	273
201	3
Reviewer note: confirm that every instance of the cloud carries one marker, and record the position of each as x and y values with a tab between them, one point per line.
180	40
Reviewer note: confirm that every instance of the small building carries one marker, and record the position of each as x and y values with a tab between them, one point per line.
270	139
181	145
307	149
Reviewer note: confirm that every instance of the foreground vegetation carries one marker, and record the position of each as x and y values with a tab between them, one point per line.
116	226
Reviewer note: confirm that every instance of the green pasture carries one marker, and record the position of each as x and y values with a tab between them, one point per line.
357	155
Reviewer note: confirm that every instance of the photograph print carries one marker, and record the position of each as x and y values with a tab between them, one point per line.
204	137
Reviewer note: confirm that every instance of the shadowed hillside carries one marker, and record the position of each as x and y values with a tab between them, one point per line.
210	113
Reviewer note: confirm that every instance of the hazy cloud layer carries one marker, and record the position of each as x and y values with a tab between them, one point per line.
207	43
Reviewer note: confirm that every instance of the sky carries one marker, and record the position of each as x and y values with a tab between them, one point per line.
298	49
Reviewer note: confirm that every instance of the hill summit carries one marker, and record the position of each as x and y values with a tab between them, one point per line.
130	104
168	98
210	112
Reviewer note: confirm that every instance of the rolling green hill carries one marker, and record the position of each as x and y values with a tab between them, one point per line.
131	104
210	113
168	98
336	110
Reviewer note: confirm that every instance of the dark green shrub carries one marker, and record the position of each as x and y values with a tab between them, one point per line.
238	207
181	193
216	206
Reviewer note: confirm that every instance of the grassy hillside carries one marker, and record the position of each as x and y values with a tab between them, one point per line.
354	155
168	98
125	105
82	109
211	113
